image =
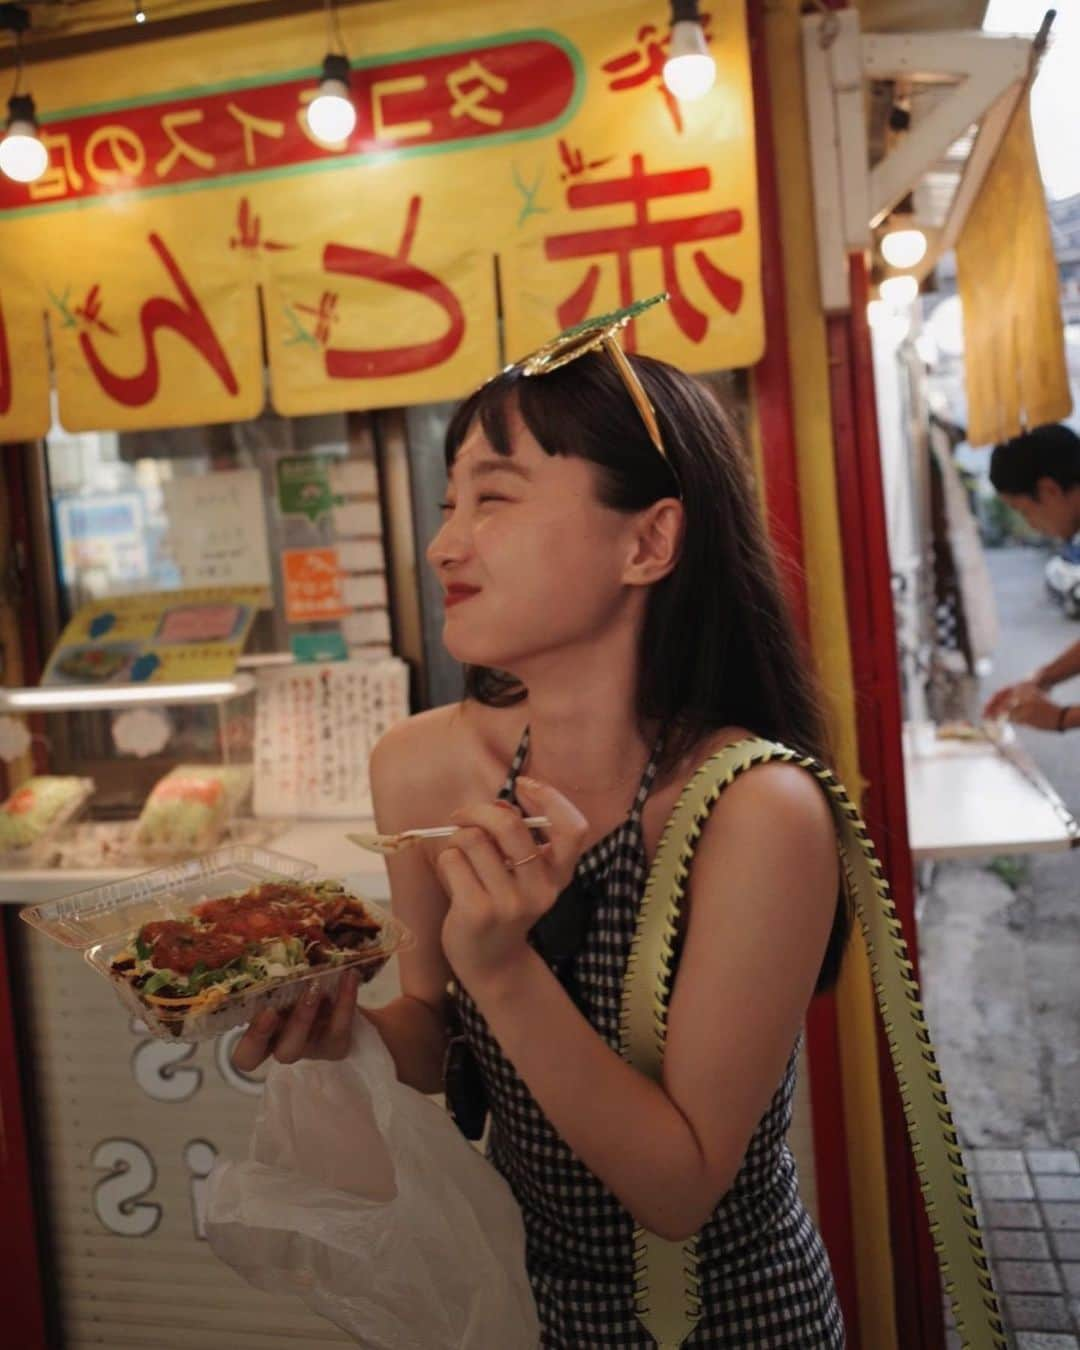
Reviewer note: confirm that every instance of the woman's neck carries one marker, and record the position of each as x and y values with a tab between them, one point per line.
585	740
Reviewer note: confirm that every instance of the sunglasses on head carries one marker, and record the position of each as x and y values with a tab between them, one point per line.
602	334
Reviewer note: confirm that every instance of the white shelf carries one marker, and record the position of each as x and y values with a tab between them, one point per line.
79	697
967	799
322	842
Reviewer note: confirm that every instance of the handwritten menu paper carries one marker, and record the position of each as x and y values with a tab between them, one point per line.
315	726
217	529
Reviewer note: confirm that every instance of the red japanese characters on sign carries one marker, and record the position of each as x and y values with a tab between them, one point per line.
644	64
187	319
463	94
344	363
620	242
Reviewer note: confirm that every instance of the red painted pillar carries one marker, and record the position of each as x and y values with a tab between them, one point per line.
772	380
22	1294
872	624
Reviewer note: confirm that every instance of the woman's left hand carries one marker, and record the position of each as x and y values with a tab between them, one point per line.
492	905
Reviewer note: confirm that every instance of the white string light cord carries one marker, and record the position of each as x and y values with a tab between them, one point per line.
667	1291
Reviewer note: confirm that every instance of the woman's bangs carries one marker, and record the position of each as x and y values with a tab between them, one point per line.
490	406
545	405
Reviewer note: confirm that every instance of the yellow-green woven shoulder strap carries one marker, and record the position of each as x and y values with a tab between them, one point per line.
666	1286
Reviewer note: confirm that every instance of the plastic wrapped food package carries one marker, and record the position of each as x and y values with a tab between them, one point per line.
190	807
200	947
39	807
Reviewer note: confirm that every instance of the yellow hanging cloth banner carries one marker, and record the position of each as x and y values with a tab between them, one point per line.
541	157
1014	338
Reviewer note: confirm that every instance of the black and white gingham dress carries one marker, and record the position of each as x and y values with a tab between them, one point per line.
765	1276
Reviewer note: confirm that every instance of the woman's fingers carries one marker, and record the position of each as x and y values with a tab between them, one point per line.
293	1040
313	1029
254	1045
568	826
340	1025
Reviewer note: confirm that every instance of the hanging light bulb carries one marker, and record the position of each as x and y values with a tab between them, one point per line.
331	114
689	71
903	247
140	13
900	291
902	243
22	155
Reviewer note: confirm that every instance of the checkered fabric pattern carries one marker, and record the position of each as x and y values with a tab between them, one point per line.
765	1276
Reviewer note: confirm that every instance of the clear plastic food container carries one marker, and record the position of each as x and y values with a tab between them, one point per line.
35	814
102	922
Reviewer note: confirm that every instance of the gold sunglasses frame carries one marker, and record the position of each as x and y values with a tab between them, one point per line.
602	334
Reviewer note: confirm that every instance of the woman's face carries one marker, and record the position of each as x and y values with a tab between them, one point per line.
538	559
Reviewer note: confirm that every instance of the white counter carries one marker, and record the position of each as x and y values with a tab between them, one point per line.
970	799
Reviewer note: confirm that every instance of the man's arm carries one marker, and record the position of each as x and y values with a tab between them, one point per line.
1063	667
1006	701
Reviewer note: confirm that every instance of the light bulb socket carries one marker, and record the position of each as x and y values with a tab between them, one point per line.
22	116
335	67
688	39
685	11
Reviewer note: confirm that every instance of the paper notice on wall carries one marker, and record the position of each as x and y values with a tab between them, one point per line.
357	518
217	528
361	555
313	589
357	477
315	726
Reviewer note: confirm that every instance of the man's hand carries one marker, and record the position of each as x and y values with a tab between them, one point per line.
1031	707
1012	696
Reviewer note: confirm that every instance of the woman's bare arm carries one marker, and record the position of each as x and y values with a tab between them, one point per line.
762	894
405	785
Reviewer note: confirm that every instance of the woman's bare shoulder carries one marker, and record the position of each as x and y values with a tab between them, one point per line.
439	759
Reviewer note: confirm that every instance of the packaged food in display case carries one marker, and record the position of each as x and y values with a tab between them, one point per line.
199	947
37	809
190	807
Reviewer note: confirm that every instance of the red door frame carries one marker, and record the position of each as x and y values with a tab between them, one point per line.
872	626
22	1288
772	377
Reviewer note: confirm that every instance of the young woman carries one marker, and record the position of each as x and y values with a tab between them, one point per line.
616	605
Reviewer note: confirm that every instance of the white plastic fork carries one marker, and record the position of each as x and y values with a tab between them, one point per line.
394	843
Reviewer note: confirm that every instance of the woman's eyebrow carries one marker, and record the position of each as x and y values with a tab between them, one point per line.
479	468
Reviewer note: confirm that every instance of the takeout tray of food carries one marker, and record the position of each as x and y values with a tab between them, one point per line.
199	947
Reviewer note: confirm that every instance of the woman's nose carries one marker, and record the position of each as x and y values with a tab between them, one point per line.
450	543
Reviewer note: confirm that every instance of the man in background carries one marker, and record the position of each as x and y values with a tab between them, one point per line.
1038	475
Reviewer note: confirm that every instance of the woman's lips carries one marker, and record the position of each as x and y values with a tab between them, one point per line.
455	597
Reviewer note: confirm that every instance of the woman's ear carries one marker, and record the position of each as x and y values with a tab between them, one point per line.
655	542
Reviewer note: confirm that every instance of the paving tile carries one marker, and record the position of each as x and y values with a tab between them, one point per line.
1070	1273
1062	1161
1058	1188
1018	1244
1015	1214
996	1159
1037	1312
1014	1186
1066	1246
1065	1215
1045	1340
953	1341
1027	1277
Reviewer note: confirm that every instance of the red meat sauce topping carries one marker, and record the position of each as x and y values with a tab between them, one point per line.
229	925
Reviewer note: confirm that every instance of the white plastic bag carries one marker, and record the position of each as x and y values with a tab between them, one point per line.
361	1196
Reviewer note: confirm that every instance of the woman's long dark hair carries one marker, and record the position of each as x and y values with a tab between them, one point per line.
718	645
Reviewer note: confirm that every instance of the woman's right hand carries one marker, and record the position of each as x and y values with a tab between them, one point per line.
314	1028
